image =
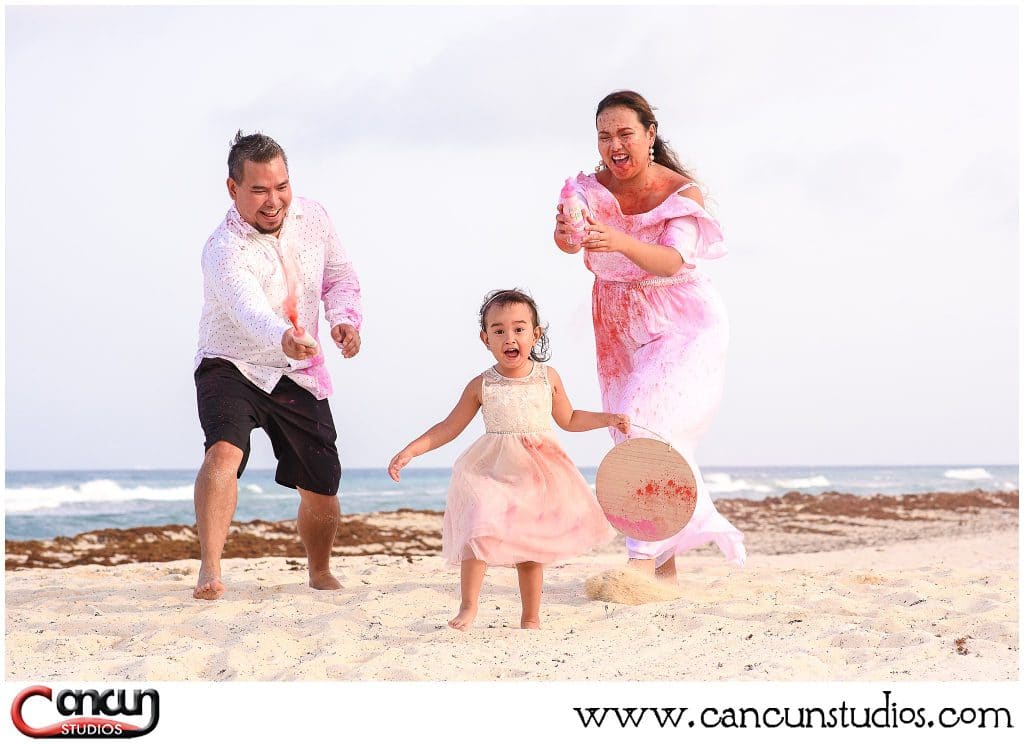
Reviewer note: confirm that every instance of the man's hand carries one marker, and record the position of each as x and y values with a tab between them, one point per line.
346	337
293	349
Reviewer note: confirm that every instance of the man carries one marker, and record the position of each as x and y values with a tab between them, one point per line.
265	270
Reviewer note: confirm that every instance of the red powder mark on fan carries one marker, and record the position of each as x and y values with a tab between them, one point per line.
648	495
653	493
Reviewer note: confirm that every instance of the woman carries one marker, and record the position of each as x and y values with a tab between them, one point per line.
661	329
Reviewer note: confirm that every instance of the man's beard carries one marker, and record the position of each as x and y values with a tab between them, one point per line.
275	230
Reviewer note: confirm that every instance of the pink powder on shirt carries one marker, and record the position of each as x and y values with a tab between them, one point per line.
291	280
291	310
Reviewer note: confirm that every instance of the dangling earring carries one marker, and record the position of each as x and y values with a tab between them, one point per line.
599	167
650	155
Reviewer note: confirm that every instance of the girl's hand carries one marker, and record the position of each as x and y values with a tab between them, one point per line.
398	462
604	239
620	421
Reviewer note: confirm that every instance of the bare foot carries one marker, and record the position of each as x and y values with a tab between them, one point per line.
643	565
324	580
464	619
530	623
666	572
208	588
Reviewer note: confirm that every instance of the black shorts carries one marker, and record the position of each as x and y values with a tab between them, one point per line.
300	427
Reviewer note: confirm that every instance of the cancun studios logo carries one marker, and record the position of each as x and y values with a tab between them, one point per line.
72	705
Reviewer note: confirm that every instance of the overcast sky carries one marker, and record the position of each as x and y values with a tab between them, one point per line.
863	162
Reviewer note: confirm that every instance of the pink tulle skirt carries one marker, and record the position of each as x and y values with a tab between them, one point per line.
515	498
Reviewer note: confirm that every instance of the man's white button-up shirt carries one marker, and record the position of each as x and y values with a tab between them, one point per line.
244	292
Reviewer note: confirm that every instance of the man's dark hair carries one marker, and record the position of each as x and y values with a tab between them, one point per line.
259	148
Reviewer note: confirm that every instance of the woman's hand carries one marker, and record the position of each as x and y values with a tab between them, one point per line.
604	239
563	233
660	260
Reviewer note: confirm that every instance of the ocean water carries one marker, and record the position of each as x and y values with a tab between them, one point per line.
45	504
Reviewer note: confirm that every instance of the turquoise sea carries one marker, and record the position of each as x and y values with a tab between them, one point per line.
44	504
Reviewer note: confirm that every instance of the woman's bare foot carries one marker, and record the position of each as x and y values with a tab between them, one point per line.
464	619
324	580
208	587
667	571
643	565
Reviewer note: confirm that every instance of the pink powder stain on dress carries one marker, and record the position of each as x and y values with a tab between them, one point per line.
613	315
537	444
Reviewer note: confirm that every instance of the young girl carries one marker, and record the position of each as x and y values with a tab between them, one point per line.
515	497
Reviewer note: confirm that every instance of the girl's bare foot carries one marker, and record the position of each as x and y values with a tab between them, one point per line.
531	586
464	619
324	580
529	623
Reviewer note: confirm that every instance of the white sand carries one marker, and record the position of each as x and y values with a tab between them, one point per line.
890	612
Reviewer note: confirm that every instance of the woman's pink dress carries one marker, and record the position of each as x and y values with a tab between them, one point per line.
515	495
661	344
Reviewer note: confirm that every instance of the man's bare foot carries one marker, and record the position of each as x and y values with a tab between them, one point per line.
324	580
464	619
532	623
208	588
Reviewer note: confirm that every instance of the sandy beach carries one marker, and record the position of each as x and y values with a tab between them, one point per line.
836	587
